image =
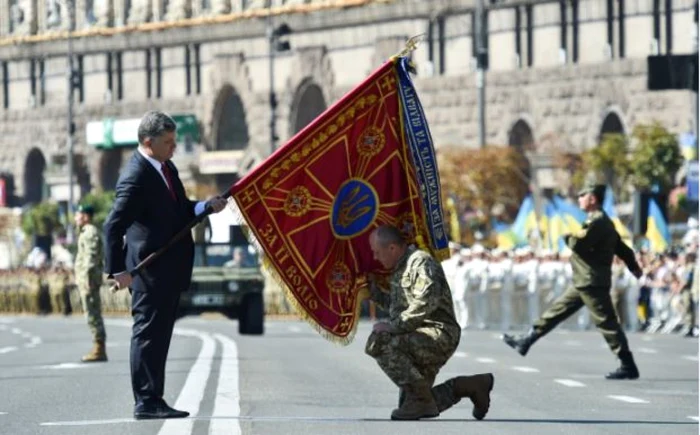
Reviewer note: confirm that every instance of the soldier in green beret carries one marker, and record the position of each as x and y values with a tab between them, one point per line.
593	249
88	278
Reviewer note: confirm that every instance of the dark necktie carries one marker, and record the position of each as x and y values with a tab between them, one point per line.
169	179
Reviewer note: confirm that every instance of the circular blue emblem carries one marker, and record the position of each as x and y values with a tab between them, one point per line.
354	208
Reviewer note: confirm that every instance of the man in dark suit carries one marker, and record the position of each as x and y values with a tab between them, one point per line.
150	207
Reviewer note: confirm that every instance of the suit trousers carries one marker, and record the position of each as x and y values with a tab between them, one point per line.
599	303
153	312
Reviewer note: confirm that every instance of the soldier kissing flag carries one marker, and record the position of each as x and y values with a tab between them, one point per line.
366	161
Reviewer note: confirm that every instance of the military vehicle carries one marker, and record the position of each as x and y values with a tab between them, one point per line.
227	279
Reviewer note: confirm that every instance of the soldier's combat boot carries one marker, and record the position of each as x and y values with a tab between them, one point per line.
478	389
419	403
429	379
627	370
521	343
97	354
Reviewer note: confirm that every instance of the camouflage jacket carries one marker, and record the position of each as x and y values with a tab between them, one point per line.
419	298
593	249
88	259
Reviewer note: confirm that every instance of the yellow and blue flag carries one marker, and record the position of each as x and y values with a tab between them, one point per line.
657	233
609	209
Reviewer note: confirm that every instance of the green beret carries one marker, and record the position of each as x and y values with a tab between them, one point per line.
87	209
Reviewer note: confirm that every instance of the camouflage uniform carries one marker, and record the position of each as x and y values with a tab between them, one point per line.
424	331
88	278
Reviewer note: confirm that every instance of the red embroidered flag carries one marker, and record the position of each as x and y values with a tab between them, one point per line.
366	161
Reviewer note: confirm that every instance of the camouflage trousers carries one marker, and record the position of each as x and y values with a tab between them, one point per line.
414	357
92	306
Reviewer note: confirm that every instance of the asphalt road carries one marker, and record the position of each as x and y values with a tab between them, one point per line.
292	381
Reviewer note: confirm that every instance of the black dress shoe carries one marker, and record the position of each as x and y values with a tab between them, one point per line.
161	410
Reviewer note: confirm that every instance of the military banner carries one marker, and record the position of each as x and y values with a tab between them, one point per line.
366	161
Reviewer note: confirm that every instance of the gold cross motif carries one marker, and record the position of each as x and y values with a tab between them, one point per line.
388	82
247	196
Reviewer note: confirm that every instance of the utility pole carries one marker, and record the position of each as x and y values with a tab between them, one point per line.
481	64
273	97
70	12
277	43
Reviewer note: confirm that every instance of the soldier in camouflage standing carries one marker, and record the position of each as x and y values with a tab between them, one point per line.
421	334
88	278
593	249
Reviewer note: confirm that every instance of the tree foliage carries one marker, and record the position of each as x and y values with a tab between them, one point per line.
102	203
650	157
656	158
41	220
480	179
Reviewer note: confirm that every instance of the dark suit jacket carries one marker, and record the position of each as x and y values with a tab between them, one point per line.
146	214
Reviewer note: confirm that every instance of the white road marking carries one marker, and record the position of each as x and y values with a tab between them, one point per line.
295	329
192	392
16	331
694	418
690	358
526	369
88	422
461	354
8	349
570	383
226	404
628	399
64	366
485	360
647	350
572	343
4	413
33	342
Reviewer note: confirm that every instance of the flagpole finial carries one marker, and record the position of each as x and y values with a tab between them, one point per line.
411	45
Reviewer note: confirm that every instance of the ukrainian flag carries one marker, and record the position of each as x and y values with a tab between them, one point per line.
609	209
569	220
525	221
657	229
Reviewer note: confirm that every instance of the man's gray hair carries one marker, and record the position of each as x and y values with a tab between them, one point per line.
388	234
154	124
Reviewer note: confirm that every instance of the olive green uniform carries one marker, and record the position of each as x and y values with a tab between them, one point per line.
593	249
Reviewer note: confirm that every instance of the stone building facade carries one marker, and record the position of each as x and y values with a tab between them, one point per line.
560	73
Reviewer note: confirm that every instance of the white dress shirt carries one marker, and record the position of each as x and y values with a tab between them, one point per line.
198	208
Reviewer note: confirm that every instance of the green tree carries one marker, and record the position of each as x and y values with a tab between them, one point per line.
41	220
608	163
102	203
656	157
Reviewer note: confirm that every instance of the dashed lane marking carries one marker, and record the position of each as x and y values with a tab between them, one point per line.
16	331
67	366
8	349
461	354
647	350
628	399
4	413
88	422
570	383
33	342
694	418
485	360
690	358
526	369
572	343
